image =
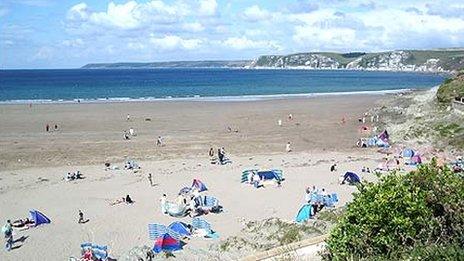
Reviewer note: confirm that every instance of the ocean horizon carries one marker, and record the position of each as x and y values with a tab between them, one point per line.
198	84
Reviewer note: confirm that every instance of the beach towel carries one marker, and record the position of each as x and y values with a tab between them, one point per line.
98	251
201	224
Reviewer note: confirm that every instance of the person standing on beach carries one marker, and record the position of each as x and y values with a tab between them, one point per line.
163	201
287	147
81	217
150	179
159	141
7	230
128	117
56	127
211	152
47	128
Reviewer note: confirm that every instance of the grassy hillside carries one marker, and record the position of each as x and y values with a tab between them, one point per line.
451	88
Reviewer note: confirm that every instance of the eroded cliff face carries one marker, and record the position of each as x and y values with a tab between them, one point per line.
421	61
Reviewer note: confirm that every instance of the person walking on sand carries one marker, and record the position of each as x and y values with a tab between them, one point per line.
81	217
150	179
287	147
159	141
47	128
7	230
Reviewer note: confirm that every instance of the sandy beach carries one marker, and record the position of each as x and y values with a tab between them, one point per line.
34	162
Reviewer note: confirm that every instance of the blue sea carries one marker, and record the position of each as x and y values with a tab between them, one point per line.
84	85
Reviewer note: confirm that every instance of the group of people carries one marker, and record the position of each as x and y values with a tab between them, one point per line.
312	196
127	134
48	128
73	176
373	117
189	201
221	156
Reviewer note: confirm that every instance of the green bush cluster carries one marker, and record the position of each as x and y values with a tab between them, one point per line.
401	216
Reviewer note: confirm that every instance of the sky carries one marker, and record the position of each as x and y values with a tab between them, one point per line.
69	34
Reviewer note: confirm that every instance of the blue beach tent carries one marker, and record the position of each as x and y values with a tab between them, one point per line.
38	217
180	228
351	178
304	214
199	185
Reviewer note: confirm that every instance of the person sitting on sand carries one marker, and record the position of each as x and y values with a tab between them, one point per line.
88	255
126	136
129	200
131	131
333	167
69	177
256	180
117	201
20	223
78	175
192	207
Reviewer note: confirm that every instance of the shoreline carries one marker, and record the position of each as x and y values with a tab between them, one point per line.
197	98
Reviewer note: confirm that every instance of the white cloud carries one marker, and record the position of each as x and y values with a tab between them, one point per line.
242	43
44	53
78	12
172	42
73	43
208	7
127	16
255	13
374	30
193	27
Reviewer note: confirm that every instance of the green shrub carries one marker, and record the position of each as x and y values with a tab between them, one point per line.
401	214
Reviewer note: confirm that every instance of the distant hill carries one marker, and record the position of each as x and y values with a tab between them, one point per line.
176	64
440	60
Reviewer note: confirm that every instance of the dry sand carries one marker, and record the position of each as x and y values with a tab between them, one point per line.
90	134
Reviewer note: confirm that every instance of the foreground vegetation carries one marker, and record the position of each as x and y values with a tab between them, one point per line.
419	215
